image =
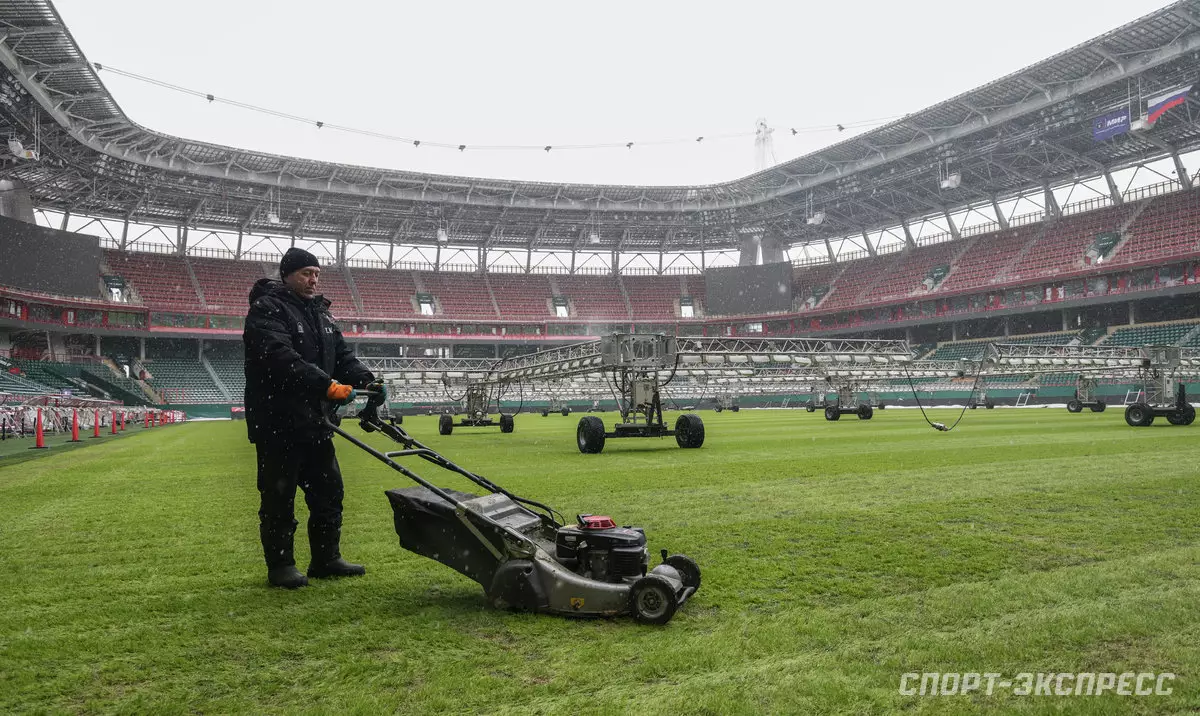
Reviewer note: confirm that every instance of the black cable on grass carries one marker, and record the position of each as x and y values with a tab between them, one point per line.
940	426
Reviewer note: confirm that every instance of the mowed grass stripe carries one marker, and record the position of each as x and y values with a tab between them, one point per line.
836	556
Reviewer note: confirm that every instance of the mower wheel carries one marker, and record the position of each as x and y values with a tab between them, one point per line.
1074	406
652	600
689	431
545	413
506	423
718	409
1139	415
865	412
832	413
809	407
1099	406
688	570
734	408
989	405
566	412
445	425
972	406
590	435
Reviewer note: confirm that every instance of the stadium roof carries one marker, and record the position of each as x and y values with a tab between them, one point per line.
1029	129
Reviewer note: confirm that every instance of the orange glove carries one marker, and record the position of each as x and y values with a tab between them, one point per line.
340	394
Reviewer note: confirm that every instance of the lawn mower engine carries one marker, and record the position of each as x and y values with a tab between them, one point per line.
598	549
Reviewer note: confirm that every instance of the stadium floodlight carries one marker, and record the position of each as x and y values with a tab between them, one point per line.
816	219
594	237
272	217
442	236
952	181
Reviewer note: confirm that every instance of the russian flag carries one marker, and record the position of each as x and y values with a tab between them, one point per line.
1158	106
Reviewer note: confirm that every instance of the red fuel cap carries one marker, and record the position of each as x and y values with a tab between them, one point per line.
596	522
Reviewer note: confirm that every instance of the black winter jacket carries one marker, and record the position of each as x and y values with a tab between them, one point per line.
293	350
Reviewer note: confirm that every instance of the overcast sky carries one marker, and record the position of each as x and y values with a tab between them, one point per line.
542	73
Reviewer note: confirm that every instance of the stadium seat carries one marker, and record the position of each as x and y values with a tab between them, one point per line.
654	297
980	263
385	293
907	274
226	283
1062	247
1165	229
161	281
1167	334
594	298
459	294
526	296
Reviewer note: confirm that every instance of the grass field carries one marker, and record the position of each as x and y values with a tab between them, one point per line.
836	557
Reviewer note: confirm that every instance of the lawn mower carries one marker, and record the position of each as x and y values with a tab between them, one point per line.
522	552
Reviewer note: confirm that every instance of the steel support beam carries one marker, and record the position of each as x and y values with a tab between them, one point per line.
1001	219
1114	192
950	223
870	247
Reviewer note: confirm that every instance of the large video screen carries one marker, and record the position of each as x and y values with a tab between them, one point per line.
740	290
48	261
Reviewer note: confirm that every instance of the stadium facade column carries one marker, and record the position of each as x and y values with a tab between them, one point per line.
749	246
953	331
908	237
1051	203
1113	190
832	255
98	345
1185	179
1000	217
950	223
142	348
15	202
871	247
774	249
1008	327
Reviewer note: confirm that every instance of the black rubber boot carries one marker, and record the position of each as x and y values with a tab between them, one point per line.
336	568
325	544
286	577
277	549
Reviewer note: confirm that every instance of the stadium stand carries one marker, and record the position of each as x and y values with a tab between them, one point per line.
334	287
1162	334
908	273
1061	248
857	278
385	294
808	280
162	282
459	295
1165	229
227	360
226	283
53	375
986	255
594	297
653	297
521	296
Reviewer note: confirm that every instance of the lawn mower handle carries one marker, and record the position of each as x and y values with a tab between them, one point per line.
368	420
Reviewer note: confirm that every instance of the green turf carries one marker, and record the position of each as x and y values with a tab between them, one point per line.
836	557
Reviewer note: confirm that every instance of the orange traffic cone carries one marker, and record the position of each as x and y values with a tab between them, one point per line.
96	425
113	416
75	427
122	421
39	438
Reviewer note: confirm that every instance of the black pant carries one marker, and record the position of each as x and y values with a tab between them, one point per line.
314	468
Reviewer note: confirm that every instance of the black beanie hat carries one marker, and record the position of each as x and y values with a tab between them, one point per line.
296	259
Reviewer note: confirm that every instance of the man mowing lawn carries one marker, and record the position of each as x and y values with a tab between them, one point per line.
298	370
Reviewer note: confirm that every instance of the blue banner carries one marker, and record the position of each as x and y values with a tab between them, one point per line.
1110	125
